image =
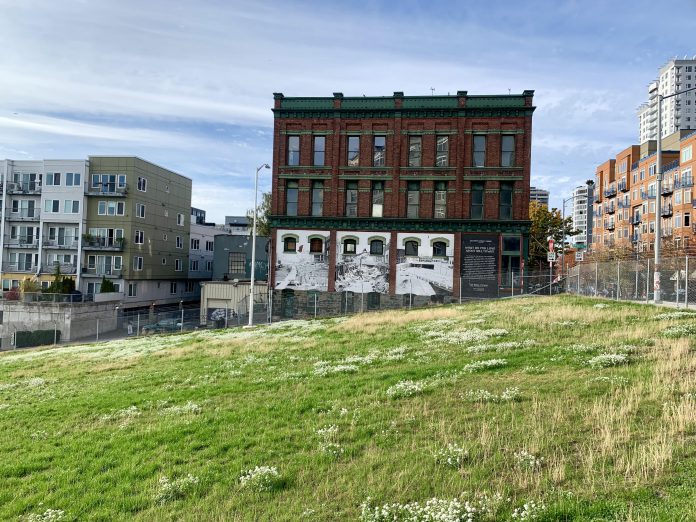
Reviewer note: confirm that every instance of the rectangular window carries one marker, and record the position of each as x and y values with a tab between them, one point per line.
173	288
440	200
139	237
73	179
195	244
52	205
319	150
209	266
507	152
479	150
179	242
442	151
353	151
506	200
177	265
652	169
142	184
477	200
377	198
71	207
352	198
209	246
687	153
140	210
137	263
414	151
132	289
293	150
317	198
379	151
236	263
193	265
180	220
413	200
687	219
291	194
52	179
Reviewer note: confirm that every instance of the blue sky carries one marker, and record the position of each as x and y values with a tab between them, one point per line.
188	84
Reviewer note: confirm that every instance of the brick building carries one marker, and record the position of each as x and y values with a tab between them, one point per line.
401	195
625	199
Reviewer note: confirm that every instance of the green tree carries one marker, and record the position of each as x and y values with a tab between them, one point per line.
546	223
61	284
106	286
263	221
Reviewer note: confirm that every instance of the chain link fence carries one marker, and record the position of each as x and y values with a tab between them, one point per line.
633	280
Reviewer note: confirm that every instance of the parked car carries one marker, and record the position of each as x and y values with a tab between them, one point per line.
162	326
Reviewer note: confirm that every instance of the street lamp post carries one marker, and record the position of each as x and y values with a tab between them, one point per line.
589	184
253	244
658	204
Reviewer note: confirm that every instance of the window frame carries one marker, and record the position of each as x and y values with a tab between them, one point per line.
441	152
353	151
291	204
415	151
507	155
319	152
293	151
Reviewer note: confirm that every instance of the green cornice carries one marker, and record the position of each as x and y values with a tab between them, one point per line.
383	177
400	224
304	132
420	132
492	168
394	113
494	131
303	175
493	177
345	167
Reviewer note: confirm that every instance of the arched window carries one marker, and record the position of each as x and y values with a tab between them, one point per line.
349	246
290	244
377	247
316	245
439	249
411	248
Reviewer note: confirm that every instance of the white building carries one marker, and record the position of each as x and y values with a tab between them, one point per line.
579	214
42	218
678	112
541	196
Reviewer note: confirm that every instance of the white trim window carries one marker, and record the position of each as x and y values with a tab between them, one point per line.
137	263
140	210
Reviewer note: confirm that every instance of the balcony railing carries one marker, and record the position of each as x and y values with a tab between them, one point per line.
108	189
68	243
597	213
597	198
25	214
610	192
103	243
610	225
17	267
23	242
667	189
666	211
623	186
27	187
635	238
623	204
102	271
65	268
667	232
647	195
635	220
611	208
684	183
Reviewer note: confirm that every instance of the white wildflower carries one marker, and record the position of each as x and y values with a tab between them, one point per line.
534	370
404	389
323	368
529	511
484	365
601	305
508	394
261	478
675	315
528	460
328	431
453	456
608	359
50	515
681	330
168	489
190	408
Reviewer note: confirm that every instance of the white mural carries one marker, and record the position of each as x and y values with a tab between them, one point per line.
362	262
425	266
302	261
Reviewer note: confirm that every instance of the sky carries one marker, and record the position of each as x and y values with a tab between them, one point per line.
189	84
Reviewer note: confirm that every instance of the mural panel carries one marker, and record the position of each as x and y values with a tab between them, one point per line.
302	260
424	264
362	262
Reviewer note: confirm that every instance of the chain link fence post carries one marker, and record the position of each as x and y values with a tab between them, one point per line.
686	283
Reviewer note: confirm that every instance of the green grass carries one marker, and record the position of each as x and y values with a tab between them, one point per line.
91	430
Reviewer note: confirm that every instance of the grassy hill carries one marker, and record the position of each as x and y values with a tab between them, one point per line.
579	409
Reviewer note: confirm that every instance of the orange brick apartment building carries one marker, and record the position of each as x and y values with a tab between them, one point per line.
626	194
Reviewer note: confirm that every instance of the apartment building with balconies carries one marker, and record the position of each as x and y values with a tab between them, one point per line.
627	216
120	218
